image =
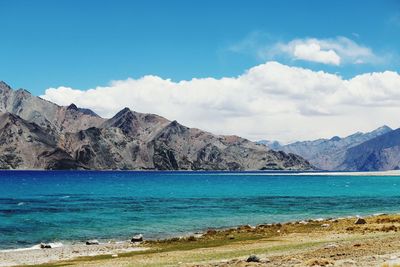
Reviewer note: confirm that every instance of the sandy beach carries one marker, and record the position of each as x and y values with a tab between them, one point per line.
36	255
321	242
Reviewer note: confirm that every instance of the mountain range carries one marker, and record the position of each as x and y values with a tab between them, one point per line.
38	134
377	150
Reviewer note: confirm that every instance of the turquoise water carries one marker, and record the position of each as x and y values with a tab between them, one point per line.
75	206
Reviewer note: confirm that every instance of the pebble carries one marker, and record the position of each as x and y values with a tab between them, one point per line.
253	258
92	242
44	245
330	246
360	221
137	238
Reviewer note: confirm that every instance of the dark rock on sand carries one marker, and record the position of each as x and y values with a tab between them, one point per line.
253	258
92	242
137	238
360	221
44	245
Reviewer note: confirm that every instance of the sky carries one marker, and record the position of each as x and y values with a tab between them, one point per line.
276	70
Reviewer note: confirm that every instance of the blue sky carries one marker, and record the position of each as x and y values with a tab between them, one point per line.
83	44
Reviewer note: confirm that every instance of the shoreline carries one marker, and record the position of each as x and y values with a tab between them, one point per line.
104	241
36	255
114	249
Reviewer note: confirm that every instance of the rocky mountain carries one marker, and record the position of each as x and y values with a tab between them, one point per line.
377	154
44	113
25	145
37	134
330	154
132	140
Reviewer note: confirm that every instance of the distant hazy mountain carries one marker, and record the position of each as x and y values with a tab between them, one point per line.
380	153
329	154
38	134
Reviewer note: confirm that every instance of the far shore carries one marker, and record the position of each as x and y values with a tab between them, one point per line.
239	172
370	173
351	241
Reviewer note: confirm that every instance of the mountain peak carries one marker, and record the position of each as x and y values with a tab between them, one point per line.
4	85
23	92
175	127
72	107
335	138
174	123
383	128
125	119
123	111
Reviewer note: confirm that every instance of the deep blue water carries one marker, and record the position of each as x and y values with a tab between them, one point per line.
75	206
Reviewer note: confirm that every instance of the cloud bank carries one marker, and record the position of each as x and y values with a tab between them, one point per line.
268	101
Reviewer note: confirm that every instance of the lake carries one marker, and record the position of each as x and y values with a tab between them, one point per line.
70	206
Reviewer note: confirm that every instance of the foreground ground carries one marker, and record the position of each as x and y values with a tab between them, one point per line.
313	243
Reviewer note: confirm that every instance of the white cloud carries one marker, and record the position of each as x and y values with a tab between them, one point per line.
313	52
334	51
271	100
